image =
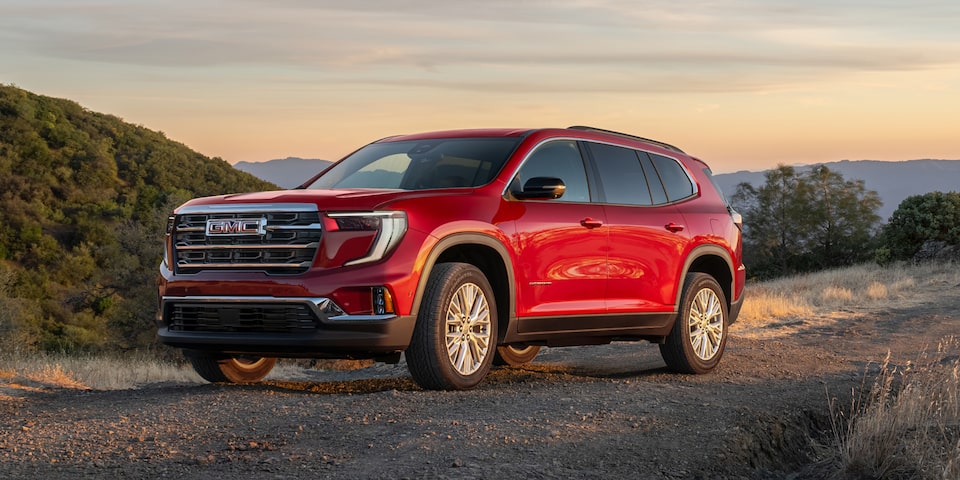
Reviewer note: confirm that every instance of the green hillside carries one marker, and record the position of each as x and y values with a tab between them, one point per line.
84	199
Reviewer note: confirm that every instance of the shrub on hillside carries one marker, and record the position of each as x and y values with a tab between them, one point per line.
84	200
931	217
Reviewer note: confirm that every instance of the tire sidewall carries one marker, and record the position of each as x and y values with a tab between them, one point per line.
696	283
430	331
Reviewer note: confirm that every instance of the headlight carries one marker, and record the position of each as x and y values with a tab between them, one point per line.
390	227
171	223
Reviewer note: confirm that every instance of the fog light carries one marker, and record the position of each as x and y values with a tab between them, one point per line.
382	301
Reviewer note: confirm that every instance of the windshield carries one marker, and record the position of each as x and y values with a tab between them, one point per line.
421	164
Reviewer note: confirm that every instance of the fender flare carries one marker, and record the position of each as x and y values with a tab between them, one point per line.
702	251
469	238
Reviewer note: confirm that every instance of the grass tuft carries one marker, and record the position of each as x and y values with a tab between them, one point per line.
906	422
877	291
833	295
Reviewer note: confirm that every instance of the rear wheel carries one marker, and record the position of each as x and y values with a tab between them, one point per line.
515	356
232	369
453	342
699	334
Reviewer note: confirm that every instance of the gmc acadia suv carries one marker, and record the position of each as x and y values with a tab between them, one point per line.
461	249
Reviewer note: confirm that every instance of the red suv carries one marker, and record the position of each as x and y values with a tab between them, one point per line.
460	249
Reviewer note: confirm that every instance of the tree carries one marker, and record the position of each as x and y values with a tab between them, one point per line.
933	216
775	227
843	214
800	222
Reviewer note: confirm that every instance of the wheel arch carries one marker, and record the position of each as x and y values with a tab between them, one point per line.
714	261
487	254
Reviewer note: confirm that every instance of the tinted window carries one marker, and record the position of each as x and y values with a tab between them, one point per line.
674	177
560	159
621	175
653	180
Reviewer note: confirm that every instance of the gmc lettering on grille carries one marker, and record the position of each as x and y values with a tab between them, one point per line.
239	226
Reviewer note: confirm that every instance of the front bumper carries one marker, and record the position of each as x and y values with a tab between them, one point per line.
278	326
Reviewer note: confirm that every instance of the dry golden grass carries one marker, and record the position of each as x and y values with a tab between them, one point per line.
54	375
906	423
43	371
90	372
786	306
877	291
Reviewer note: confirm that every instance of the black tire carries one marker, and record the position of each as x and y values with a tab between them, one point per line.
232	369
452	348
699	333
515	356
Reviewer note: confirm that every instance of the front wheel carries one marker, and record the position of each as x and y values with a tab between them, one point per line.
455	336
699	333
232	369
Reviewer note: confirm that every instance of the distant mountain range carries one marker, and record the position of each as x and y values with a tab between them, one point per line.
288	172
893	181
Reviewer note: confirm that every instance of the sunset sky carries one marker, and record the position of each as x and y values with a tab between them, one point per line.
743	84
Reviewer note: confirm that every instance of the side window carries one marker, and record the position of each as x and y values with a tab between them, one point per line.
674	177
621	176
560	159
653	180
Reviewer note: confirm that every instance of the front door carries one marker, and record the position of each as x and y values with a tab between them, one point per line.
561	269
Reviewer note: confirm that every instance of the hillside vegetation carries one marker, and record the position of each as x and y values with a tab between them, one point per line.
84	199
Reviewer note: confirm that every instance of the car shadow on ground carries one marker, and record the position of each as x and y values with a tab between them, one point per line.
499	377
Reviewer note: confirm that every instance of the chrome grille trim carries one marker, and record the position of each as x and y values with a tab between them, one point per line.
287	245
256	266
247	247
247	208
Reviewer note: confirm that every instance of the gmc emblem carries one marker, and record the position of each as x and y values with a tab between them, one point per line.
236	226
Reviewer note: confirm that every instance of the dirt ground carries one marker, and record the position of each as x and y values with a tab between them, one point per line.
582	412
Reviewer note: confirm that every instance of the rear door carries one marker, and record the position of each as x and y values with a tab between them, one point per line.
647	233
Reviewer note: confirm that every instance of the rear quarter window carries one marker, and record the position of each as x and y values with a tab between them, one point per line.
674	177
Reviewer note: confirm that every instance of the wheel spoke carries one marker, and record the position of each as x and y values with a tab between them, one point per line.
475	352
462	353
705	324
468	329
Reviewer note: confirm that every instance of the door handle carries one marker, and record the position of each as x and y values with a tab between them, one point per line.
674	227
591	223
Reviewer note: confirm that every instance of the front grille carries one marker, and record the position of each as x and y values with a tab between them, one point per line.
272	239
246	318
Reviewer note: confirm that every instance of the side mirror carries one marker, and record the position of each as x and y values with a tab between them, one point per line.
545	188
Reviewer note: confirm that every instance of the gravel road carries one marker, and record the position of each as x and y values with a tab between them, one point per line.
608	411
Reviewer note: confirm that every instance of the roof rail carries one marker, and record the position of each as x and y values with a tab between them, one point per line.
627	135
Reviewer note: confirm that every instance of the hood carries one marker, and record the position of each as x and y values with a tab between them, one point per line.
327	200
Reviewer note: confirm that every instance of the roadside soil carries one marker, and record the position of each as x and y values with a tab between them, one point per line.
608	411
